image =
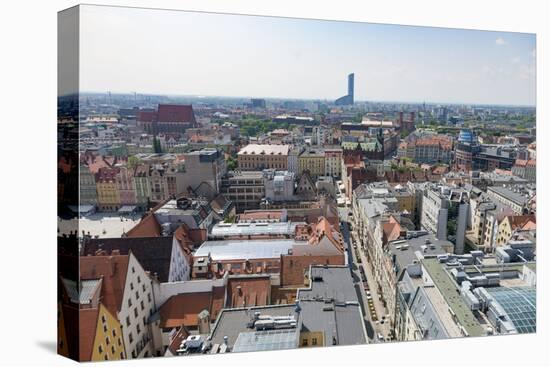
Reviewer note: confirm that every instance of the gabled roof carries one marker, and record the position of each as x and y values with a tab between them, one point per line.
153	253
220	204
87	322
323	228
391	229
147	116
112	270
80	328
520	221
301	188
175	113
177	339
183	309
147	227
95	163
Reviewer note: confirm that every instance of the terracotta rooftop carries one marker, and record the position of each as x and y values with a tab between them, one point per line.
183	309
168	113
106	174
177	339
113	271
87	322
520	221
153	253
526	162
244	291
95	163
147	116
175	113
391	229
147	227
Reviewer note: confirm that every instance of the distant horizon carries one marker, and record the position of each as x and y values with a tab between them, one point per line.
330	101
195	53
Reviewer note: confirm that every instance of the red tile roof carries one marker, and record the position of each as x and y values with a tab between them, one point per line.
521	221
113	271
147	227
177	339
176	113
183	309
248	291
96	163
87	329
153	253
391	229
147	116
106	174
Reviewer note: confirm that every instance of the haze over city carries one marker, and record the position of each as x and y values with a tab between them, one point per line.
233	184
266	57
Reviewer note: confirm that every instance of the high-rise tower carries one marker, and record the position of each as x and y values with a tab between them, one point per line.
351	79
348	99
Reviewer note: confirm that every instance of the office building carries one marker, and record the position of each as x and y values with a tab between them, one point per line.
348	99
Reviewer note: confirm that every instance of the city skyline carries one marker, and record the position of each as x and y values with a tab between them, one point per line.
391	63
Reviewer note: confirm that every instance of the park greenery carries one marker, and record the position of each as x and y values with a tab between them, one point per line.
254	126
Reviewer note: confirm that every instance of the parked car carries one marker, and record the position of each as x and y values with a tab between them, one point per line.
380	337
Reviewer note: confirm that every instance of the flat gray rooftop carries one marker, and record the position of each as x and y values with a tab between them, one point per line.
246	249
232	322
331	305
405	250
330	282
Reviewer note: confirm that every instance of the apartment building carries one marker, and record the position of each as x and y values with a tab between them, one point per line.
245	189
203	166
446	213
313	161
333	162
127	293
255	157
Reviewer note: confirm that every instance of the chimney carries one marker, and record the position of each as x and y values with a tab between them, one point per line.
204	322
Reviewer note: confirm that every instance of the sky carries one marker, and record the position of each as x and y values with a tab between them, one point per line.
129	50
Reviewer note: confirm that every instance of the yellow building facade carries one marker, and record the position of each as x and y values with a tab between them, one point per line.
108	342
108	197
312	162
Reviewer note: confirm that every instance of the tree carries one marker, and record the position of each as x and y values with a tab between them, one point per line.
231	164
156	145
133	161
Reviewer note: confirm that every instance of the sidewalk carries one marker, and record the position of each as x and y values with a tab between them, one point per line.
384	329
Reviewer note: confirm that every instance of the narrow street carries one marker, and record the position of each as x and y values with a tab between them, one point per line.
375	325
356	275
382	328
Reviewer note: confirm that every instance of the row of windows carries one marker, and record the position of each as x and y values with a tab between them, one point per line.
267	165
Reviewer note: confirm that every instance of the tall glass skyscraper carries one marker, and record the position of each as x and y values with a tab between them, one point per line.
351	79
348	99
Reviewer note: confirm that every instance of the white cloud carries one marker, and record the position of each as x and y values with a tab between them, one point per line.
500	41
534	52
516	60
